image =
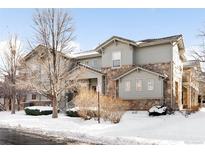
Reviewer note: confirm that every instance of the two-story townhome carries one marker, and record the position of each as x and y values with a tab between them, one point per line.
145	72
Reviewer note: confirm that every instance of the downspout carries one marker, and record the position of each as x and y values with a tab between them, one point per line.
171	74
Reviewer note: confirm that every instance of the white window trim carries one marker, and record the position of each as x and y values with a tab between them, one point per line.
116	59
148	84
136	85
127	90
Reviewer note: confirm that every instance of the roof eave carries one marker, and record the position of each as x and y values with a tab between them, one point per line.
114	38
130	71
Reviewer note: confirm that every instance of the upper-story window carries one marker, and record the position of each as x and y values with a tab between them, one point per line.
95	62
150	84
86	62
116	59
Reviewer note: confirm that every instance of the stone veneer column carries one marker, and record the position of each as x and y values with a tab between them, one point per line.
110	84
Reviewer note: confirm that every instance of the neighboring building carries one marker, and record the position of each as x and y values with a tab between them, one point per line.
202	88
35	69
191	76
2	103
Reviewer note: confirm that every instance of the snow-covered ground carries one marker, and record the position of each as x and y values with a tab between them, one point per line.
134	128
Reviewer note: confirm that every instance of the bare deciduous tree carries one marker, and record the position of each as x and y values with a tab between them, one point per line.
199	54
10	62
54	31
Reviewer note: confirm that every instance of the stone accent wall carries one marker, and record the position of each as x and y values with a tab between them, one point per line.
110	84
163	68
145	104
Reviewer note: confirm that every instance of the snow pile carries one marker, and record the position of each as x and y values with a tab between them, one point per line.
75	109
40	108
158	109
202	109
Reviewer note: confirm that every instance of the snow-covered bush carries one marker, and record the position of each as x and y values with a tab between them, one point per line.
111	109
87	113
157	110
38	110
73	112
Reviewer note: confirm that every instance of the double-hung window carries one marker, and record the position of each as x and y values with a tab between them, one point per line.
150	84
138	85
127	86
116	59
95	62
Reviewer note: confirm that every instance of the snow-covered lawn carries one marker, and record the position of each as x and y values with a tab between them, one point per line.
134	128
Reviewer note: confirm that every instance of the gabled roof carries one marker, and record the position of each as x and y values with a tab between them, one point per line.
143	43
191	63
115	38
41	47
33	52
132	69
155	41
91	68
87	67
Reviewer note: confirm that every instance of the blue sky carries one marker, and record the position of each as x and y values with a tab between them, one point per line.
93	26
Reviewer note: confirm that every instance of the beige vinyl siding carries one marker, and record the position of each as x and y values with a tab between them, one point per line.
93	62
39	97
152	54
126	54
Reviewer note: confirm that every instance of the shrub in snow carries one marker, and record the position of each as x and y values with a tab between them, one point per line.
87	113
72	112
158	110
111	109
38	110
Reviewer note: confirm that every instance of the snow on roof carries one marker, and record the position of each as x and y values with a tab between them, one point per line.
139	42
192	64
85	54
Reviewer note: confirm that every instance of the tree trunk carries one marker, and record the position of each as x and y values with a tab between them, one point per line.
55	107
13	103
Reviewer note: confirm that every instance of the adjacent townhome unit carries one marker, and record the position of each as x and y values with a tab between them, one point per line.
191	80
